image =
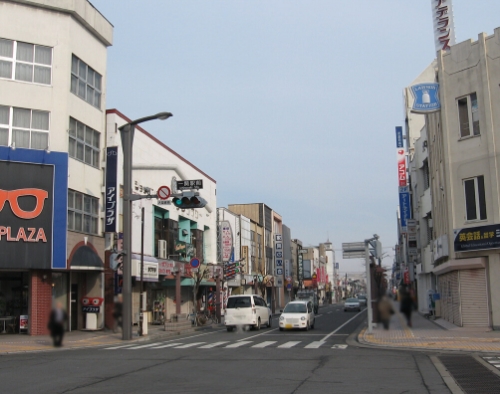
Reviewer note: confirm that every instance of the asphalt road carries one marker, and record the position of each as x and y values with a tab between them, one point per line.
316	361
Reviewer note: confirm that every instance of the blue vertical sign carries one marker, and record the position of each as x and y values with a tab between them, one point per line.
399	137
404	205
111	189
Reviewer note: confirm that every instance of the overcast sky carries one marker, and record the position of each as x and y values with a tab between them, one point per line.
288	103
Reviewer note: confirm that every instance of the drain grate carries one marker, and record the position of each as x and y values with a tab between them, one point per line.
470	375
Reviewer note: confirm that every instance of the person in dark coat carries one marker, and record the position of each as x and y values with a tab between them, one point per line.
385	311
117	313
406	304
57	319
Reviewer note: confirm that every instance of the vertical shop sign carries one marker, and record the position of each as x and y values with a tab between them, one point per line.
226	240
111	189
278	254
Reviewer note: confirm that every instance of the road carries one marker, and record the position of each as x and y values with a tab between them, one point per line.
320	360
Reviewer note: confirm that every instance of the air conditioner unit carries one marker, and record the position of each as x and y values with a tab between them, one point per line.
162	249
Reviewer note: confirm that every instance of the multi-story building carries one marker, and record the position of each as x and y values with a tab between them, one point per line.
464	165
52	128
172	236
418	258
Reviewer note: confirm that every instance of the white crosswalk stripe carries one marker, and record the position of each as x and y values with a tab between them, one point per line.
238	344
143	346
264	344
234	345
211	345
314	345
290	344
167	345
189	345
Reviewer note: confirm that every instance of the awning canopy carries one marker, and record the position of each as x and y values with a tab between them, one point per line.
86	259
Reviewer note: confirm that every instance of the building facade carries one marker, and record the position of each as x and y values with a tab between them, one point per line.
463	138
52	129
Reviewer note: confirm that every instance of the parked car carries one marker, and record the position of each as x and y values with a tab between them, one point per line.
362	299
297	314
247	310
352	304
309	295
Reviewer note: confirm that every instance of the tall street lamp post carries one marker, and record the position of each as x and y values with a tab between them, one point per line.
127	136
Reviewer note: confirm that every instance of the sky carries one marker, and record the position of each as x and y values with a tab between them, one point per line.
289	103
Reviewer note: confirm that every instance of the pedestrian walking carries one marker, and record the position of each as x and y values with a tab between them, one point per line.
57	319
406	304
385	310
117	313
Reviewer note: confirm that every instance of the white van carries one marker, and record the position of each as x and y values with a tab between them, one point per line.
247	310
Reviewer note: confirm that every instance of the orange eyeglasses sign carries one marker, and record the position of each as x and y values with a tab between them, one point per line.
12	196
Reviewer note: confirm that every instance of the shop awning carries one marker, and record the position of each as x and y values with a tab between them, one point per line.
86	259
186	282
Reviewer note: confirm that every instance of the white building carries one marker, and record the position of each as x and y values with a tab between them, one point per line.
172	236
463	138
53	59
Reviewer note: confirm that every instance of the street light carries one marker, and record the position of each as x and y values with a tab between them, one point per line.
127	136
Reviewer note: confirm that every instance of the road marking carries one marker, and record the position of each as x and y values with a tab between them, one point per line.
238	344
167	345
264	344
290	344
329	312
143	346
314	345
118	347
348	321
189	345
342	347
258	335
211	345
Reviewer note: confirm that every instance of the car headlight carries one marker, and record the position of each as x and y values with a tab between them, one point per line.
282	318
303	318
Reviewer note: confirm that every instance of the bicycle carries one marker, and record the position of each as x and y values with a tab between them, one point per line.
205	317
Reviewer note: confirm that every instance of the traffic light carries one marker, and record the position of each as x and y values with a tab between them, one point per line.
188	200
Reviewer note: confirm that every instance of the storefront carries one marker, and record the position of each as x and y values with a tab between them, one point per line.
33	216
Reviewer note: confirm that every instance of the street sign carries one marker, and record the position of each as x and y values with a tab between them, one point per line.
163	193
195	263
288	278
191	184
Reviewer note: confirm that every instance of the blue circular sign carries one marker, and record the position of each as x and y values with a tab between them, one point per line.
195	263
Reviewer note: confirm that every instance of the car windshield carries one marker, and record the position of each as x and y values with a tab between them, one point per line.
351	300
295	308
238	302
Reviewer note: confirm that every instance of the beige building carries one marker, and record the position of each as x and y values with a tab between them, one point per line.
464	167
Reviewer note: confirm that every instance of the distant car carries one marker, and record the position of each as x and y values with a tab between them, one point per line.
298	314
352	304
248	311
309	295
362	299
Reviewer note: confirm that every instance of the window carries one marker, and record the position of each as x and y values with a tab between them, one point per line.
425	173
83	143
468	115
25	128
475	202
83	212
25	62
428	228
85	82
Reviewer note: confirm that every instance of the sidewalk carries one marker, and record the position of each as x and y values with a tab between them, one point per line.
16	343
430	334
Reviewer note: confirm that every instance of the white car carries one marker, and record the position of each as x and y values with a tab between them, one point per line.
298	314
247	310
352	304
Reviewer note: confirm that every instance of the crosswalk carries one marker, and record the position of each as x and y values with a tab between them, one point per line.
493	360
229	345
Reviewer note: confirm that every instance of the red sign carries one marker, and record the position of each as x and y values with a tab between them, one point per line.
401	167
406	276
163	193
